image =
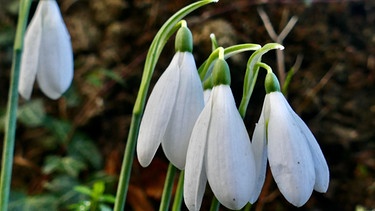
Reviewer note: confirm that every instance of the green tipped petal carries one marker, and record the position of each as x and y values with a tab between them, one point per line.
271	83
184	40
221	73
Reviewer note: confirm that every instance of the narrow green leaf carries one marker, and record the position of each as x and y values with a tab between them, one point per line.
251	74
206	68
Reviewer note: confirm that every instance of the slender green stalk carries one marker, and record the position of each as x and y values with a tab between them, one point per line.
205	69
127	163
214	42
247	207
214	204
168	188
153	55
179	193
251	74
11	118
157	46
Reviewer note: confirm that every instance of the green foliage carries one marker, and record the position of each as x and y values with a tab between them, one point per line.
97	77
97	201
69	154
21	202
66	165
83	148
32	114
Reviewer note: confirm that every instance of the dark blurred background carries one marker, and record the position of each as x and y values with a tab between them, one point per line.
80	138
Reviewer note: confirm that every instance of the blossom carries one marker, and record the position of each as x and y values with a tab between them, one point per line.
171	111
296	160
219	152
47	55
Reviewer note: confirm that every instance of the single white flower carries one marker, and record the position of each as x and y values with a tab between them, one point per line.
47	54
219	152
171	111
296	160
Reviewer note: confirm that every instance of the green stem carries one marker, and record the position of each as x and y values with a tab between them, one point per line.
214	204
157	46
153	55
168	188
204	69
251	74
127	163
179	193
11	118
247	207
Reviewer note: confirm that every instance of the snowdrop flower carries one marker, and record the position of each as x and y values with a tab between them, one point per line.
296	160
207	88
47	54
220	150
173	107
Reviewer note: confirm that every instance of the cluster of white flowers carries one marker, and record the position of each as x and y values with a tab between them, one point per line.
202	134
47	55
208	139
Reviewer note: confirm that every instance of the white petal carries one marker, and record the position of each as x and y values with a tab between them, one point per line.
30	55
230	166
320	164
55	72
195	172
260	156
206	95
189	104
157	113
289	155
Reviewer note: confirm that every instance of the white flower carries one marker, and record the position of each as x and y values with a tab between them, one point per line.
206	95
47	54
219	152
171	111
296	160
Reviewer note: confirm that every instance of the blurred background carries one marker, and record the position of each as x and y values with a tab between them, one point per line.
79	140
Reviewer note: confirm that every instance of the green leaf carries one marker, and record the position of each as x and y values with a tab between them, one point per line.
107	198
97	77
83	189
206	68
81	206
98	188
157	45
32	114
67	165
72	166
84	149
34	203
104	207
61	185
52	164
60	129
114	76
251	74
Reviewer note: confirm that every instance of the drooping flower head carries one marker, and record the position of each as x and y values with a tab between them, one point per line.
220	150
173	107
296	160
47	54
